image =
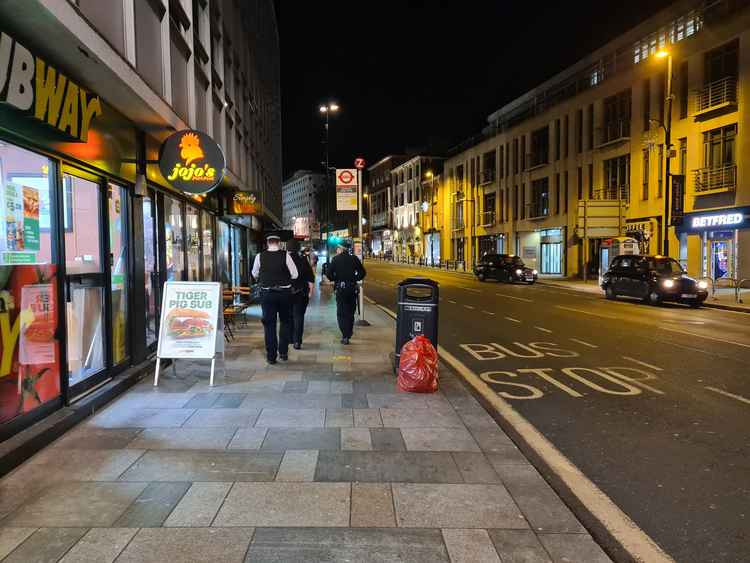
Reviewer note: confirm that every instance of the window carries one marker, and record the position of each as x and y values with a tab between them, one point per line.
515	156
646	104
565	137
540	147
579	131
179	53
683	156
488	209
410	171
660	173
565	178
148	54
523	153
502	168
107	18
591	181
507	158
557	139
721	63
557	194
719	147
488	167
591	126
644	193
616	178
515	203
616	117
523	201
580	183
539	198
201	109
684	90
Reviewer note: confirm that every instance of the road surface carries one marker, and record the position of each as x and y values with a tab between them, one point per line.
651	403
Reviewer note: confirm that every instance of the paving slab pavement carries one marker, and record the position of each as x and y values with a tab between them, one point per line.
320	458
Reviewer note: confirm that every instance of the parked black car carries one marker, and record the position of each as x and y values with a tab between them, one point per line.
653	279
504	267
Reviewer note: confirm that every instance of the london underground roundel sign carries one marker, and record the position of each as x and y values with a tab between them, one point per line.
192	161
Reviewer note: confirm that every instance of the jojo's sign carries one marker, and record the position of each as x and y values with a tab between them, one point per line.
192	162
32	86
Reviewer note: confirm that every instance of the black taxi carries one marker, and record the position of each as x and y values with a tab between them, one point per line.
653	279
504	267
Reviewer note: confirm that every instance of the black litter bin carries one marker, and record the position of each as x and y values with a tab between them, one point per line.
417	312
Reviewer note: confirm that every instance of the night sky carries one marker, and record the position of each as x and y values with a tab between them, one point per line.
409	73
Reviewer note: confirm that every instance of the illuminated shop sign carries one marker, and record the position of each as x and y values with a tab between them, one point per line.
245	203
31	85
730	219
192	162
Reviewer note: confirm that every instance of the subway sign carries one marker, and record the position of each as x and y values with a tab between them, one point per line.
722	219
31	85
192	162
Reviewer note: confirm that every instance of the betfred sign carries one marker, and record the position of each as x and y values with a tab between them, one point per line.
737	218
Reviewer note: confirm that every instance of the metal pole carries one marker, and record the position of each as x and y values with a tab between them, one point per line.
328	195
361	321
668	146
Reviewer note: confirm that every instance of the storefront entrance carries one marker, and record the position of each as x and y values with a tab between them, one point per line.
721	254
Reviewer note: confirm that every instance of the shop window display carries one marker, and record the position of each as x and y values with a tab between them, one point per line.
173	239
118	249
29	351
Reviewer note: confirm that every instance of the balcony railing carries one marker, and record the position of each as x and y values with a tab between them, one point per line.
487	175
615	131
537	158
458	224
717	179
538	209
717	94
487	218
612	193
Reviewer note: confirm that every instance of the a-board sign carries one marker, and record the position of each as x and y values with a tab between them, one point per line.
189	320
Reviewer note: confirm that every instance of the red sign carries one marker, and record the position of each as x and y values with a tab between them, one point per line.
345	177
359	163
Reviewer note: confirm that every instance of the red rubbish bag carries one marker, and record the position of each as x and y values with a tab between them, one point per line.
418	366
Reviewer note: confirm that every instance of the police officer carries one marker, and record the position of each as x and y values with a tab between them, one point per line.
345	270
302	289
274	270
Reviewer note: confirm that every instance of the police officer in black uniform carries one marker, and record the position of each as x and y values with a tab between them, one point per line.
274	270
302	289
345	270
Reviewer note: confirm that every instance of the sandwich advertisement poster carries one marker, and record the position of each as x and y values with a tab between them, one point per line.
189	320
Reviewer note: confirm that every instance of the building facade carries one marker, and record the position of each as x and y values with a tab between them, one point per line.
379	190
299	201
89	91
583	157
408	207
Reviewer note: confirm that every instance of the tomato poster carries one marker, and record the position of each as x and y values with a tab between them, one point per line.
189	320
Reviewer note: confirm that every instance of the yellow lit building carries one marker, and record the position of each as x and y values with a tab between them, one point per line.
583	157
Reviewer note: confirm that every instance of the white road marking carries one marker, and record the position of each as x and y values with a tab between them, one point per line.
451	301
635	541
706	337
583	343
543	329
644	364
586	312
512	319
471	289
514	297
468	306
488	312
728	394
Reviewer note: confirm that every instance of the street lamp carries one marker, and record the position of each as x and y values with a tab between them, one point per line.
666	54
327	110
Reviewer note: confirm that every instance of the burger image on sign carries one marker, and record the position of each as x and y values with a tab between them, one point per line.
188	323
192	161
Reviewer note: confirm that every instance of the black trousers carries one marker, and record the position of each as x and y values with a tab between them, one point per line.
299	307
346	304
276	304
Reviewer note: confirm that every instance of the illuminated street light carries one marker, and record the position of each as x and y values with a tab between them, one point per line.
327	110
323	109
662	53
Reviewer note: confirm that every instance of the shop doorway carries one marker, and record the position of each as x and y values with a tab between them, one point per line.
150	267
84	279
721	255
